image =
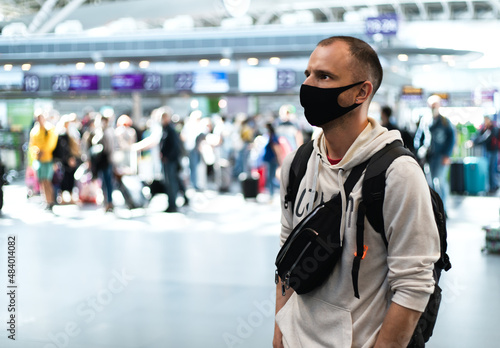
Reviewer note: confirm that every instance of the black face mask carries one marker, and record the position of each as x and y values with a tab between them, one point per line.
321	104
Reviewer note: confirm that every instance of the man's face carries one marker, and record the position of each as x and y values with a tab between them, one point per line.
487	122
41	120
330	66
435	108
165	119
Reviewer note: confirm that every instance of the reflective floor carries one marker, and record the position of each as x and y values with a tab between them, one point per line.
200	278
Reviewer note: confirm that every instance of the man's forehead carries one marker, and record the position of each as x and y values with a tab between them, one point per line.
329	58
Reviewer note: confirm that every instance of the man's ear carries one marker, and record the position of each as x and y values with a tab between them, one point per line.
365	92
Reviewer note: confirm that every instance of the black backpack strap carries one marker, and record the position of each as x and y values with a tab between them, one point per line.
353	177
373	192
360	246
297	171
440	217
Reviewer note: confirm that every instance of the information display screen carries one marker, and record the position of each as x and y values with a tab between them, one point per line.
286	79
257	79
210	82
385	25
183	81
410	93
31	83
11	81
65	83
127	81
148	82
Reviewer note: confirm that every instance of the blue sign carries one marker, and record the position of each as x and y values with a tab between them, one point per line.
385	25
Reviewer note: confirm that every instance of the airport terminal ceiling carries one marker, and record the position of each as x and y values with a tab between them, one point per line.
431	34
44	15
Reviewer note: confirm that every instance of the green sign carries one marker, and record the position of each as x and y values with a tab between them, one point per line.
20	114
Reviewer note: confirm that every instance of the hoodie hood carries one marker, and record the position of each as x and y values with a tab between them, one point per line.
373	138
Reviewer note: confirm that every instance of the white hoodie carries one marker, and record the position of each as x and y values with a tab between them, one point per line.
330	316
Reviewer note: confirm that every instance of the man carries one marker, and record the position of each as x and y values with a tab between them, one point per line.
170	149
43	141
385	119
101	156
441	148
395	281
287	130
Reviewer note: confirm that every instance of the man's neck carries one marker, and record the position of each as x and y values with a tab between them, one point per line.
341	135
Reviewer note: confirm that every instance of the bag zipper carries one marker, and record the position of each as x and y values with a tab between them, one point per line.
303	222
285	284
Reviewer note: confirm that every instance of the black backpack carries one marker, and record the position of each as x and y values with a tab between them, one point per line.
373	193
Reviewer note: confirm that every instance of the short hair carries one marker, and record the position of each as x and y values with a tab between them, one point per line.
386	110
124	121
363	54
433	99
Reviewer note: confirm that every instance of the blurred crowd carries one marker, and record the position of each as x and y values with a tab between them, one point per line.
84	158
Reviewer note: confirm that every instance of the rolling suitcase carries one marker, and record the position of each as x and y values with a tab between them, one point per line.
457	183
157	187
475	175
249	185
261	172
492	240
31	181
225	176
131	187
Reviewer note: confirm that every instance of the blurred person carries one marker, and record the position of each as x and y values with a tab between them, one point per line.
287	129
101	149
421	143
442	142
222	144
488	137
87	132
386	121
153	173
385	118
43	141
247	135
237	144
125	137
67	152
170	149
205	142
272	158
149	145
189	136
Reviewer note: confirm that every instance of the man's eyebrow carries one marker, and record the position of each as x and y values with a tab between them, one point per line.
325	72
320	72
